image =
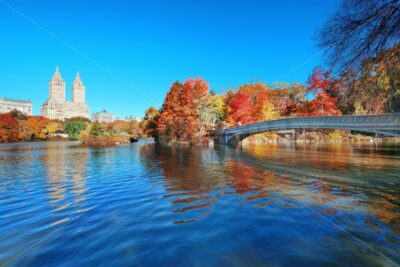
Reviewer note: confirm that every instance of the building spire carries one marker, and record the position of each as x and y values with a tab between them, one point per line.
78	90
57	73
78	78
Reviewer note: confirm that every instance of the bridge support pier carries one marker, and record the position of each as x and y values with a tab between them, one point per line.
226	139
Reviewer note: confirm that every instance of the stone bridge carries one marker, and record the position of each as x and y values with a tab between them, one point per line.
382	124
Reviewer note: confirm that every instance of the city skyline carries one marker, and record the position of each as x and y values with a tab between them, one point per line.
139	49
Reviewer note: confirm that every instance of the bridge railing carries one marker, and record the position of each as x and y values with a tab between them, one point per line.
390	121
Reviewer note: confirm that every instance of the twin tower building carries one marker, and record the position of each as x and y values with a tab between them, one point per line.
57	107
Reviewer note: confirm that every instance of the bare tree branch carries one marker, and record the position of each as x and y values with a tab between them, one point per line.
359	30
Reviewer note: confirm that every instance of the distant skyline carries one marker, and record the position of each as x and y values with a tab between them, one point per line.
128	53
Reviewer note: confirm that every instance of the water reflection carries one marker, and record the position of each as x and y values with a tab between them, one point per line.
259	172
269	205
66	174
344	185
352	183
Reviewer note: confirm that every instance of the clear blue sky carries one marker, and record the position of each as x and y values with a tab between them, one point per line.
147	45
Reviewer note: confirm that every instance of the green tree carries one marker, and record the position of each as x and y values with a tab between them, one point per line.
97	130
73	129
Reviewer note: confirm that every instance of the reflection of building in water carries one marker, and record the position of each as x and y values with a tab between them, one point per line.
54	162
65	165
78	170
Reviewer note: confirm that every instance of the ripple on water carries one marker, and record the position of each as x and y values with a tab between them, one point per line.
141	204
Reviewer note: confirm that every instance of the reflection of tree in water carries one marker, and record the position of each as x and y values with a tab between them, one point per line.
16	158
331	157
191	175
186	169
245	179
327	195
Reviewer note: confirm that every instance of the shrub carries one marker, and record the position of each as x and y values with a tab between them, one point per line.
73	129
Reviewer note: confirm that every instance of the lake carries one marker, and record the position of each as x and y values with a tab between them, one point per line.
145	205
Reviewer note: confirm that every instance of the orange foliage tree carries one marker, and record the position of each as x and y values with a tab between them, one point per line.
8	128
178	119
148	125
290	99
38	125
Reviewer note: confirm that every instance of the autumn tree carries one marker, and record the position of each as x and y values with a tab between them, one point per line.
323	103
253	103
241	110
97	130
227	119
132	127
264	106
39	126
290	99
372	90
8	128
149	121
119	126
362	32
210	111
54	127
178	119
25	131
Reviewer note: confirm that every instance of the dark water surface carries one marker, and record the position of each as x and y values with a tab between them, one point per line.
144	205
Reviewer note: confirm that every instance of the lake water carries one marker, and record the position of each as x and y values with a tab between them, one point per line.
145	205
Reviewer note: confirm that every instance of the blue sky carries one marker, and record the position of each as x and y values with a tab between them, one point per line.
129	52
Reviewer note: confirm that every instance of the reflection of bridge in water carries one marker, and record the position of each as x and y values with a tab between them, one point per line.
383	124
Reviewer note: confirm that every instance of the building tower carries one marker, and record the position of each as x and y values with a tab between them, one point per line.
57	107
57	87
78	90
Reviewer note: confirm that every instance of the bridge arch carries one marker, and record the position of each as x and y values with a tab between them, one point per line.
384	124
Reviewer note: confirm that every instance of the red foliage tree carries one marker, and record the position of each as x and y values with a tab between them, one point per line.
319	80
8	128
288	106
252	103
241	110
323	103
